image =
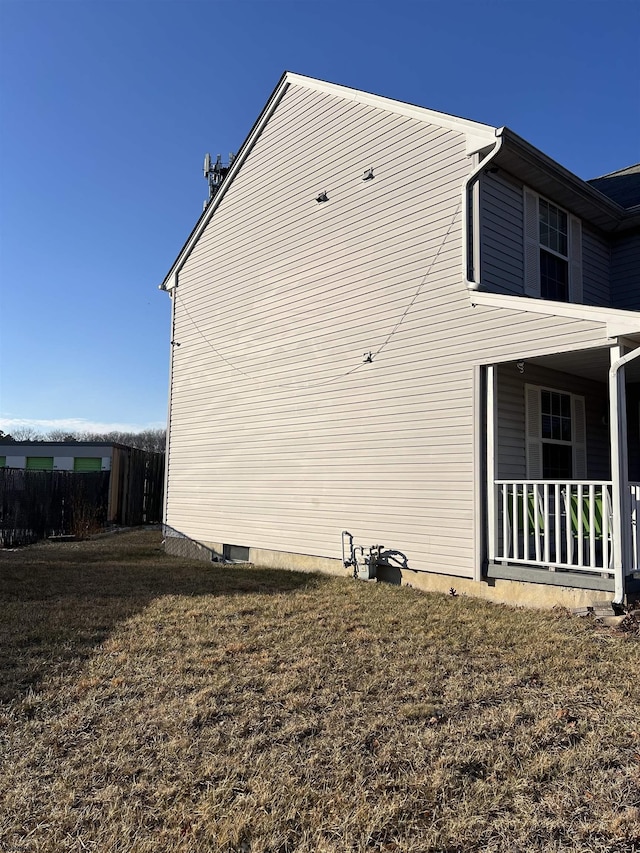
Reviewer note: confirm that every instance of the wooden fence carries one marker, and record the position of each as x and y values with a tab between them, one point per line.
38	504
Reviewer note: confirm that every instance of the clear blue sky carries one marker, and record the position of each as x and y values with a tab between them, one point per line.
107	109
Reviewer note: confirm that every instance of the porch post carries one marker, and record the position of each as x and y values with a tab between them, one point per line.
479	535
492	402
619	470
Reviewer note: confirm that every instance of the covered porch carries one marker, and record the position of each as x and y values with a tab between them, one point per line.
562	472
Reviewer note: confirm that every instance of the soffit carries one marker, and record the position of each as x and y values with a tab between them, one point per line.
552	180
588	364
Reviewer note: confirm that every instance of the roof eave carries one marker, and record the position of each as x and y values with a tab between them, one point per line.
536	169
170	279
617	320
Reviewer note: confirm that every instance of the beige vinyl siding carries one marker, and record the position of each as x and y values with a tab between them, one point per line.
501	240
511	418
625	272
281	435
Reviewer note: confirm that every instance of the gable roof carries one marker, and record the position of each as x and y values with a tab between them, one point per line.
478	137
623	186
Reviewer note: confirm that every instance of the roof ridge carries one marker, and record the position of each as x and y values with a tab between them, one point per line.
625	169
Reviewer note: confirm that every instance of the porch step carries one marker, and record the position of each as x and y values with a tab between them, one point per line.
601	610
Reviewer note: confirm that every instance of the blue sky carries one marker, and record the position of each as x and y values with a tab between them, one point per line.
107	109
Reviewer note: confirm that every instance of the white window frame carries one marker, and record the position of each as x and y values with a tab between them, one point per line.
533	431
532	247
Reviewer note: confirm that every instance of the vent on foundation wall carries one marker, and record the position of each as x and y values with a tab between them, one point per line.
235	553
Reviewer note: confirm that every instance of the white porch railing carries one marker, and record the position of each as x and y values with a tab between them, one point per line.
635	524
557	525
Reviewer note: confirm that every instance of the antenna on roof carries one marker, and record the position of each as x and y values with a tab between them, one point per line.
215	174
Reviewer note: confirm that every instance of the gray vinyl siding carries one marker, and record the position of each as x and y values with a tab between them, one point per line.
625	272
501	224
596	267
511	418
502	262
281	434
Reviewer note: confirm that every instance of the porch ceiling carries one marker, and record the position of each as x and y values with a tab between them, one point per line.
589	364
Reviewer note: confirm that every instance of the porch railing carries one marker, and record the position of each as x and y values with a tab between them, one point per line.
635	524
556	525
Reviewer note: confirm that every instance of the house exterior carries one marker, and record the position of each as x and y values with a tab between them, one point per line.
419	330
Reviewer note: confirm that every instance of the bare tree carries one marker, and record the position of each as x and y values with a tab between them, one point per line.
26	433
148	439
61	435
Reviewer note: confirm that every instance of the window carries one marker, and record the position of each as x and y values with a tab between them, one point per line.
552	251
3	461
554	247
555	431
556	434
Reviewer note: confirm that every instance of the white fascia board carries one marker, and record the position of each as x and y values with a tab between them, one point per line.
617	321
478	136
171	279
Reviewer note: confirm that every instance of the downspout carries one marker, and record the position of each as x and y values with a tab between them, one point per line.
619	477
474	283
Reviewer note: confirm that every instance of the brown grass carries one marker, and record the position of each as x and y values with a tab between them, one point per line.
155	704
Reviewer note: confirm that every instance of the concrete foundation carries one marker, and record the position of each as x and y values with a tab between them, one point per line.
517	593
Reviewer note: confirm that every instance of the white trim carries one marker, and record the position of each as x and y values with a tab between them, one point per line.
492	458
167	444
573	257
171	279
618	441
478	515
576	400
619	466
478	135
617	321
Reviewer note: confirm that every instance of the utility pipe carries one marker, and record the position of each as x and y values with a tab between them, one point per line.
619	473
474	284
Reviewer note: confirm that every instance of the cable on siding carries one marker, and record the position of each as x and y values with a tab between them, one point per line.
371	356
420	286
206	340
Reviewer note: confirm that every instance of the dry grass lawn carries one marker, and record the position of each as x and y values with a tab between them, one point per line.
154	704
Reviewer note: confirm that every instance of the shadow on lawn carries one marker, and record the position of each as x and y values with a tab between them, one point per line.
61	601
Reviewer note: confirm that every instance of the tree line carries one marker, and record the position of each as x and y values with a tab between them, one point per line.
146	439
